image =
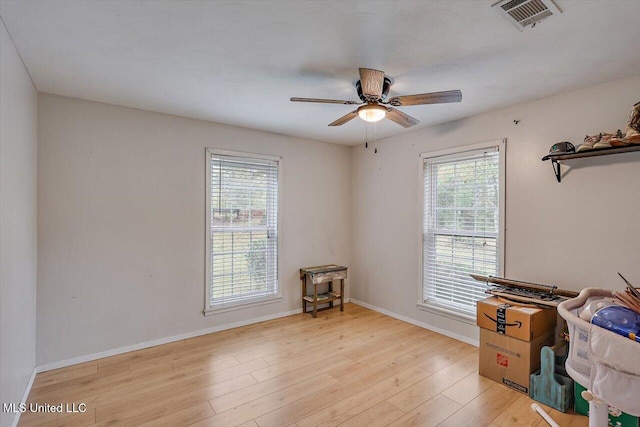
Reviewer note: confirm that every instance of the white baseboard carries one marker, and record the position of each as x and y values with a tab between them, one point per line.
153	343
25	396
418	323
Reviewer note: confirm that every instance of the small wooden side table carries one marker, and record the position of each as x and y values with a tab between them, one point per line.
322	274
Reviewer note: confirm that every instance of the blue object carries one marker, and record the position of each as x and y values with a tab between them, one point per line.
620	320
549	387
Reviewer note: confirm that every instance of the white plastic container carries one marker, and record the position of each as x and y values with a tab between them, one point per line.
570	310
600	360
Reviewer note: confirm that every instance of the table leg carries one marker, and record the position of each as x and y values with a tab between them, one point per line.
315	300
341	294
304	292
330	291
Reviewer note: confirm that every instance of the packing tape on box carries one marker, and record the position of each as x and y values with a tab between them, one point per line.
501	319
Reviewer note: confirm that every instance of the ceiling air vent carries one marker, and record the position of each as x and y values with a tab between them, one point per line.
526	13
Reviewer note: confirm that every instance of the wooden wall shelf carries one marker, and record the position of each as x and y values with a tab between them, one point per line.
590	153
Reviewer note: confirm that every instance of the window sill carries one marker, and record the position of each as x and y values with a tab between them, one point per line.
447	312
224	308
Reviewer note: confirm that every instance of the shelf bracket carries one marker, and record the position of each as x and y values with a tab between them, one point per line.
556	169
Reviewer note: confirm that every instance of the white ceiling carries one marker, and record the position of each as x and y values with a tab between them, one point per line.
239	62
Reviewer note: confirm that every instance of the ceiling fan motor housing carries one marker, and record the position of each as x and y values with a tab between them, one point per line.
385	91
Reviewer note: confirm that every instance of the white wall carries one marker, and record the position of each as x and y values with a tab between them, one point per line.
122	216
18	238
573	234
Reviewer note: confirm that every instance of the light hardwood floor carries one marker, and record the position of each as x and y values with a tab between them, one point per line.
357	368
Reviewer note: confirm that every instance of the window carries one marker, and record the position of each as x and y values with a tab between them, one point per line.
462	226
242	230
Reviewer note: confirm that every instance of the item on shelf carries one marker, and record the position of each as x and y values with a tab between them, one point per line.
588	143
618	319
619	140
560	148
633	125
604	141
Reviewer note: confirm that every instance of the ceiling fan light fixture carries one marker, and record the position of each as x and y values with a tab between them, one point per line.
372	112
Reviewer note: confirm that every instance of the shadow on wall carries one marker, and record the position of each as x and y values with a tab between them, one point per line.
597	162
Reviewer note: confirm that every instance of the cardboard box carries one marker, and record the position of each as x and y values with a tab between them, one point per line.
523	323
510	361
617	418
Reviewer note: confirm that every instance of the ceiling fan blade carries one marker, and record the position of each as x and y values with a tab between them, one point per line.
427	98
344	119
324	101
401	118
371	82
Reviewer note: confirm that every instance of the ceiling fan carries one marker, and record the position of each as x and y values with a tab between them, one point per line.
373	88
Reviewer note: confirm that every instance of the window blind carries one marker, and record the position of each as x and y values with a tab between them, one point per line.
460	227
243	228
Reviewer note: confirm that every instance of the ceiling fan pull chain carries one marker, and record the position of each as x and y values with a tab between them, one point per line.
375	136
366	136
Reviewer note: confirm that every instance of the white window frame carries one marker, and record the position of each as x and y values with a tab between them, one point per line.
209	308
453	153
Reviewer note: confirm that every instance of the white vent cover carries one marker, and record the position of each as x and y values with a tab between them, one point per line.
526	13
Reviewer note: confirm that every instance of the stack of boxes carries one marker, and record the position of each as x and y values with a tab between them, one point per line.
511	337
